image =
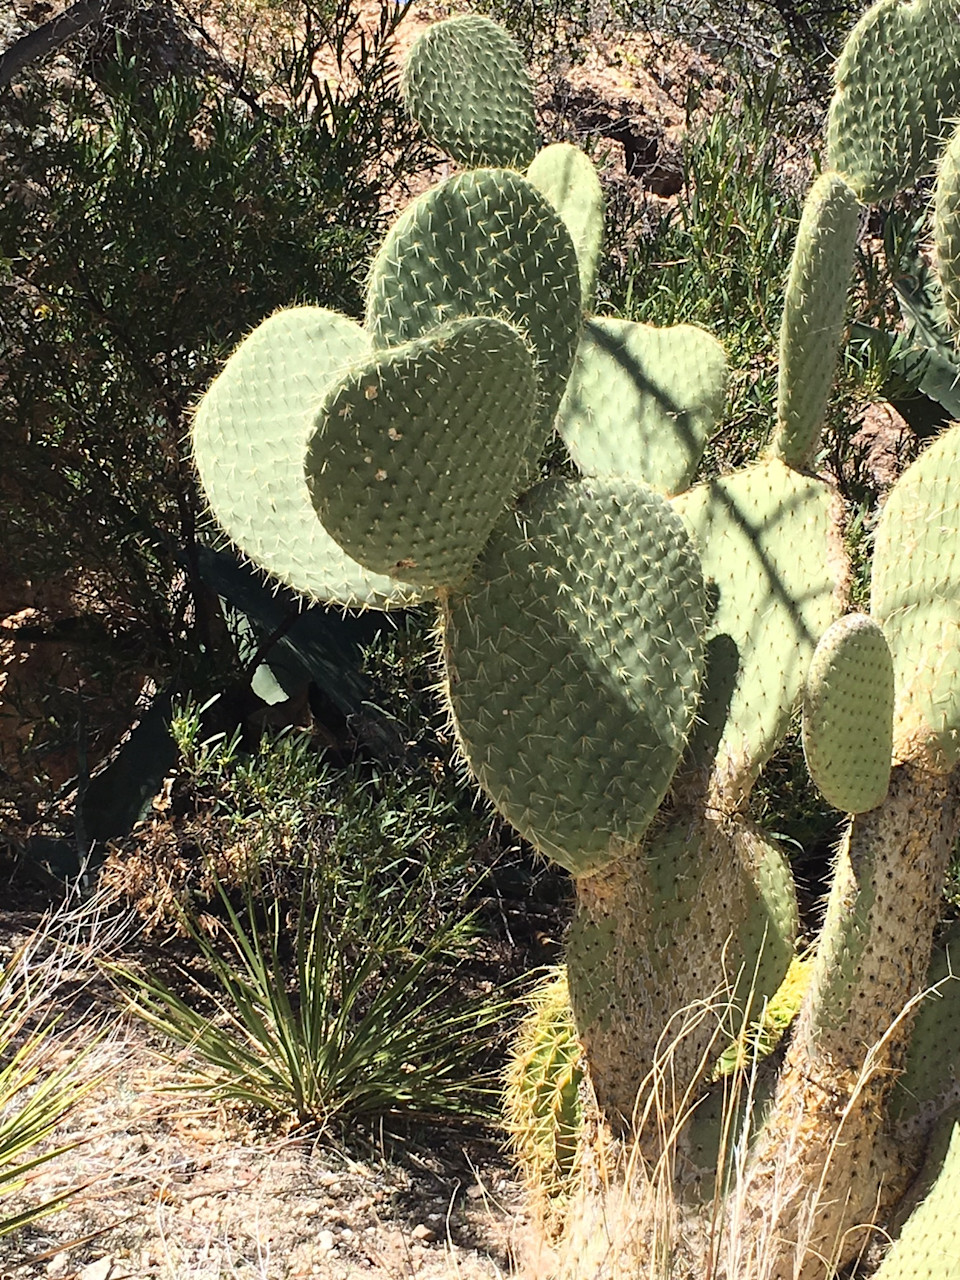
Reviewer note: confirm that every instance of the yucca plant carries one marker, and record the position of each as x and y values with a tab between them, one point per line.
332	941
45	1072
324	1019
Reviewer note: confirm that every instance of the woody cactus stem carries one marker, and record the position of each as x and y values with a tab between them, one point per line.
826	1130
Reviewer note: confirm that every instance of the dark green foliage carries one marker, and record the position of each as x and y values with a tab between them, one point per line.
148	223
799	37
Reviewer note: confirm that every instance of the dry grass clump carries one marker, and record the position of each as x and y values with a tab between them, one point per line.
677	1203
51	1046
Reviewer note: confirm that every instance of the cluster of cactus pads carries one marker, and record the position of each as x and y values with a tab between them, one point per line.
624	649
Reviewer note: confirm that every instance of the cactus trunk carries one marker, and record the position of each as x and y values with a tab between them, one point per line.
823	1161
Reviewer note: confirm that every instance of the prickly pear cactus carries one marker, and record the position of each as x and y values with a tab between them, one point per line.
896	86
915	597
848	714
929	1245
418	500
580	758
485	242
642	401
466	84
813	310
570	182
250	435
623	650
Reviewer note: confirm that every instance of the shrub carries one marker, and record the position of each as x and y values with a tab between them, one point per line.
151	215
332	913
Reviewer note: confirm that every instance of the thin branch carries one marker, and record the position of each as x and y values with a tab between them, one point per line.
48	37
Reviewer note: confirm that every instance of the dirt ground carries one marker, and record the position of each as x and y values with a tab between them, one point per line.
171	1189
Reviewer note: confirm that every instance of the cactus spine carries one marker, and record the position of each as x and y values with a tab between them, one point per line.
623	652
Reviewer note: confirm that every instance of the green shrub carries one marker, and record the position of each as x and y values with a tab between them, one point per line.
332	913
148	221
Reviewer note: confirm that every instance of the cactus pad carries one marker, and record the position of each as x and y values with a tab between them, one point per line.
774	562
814	303
848	715
466	85
946	229
418	449
250	434
482	243
929	1245
573	665
916	599
930	1082
569	180
642	401
896	85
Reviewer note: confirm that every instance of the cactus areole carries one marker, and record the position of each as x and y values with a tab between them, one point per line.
623	650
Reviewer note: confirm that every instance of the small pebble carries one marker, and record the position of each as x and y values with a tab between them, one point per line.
99	1270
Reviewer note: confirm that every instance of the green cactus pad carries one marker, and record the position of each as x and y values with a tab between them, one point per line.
250	434
761	1037
569	180
929	1244
916	599
848	715
573	665
418	449
541	1099
482	243
466	85
896	85
775	566
812	322
724	1121
642	401
946	229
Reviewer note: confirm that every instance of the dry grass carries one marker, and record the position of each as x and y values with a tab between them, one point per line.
633	1216
155	1187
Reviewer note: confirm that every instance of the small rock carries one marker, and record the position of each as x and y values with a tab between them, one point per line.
475	1192
58	1264
327	1178
102	1269
346	1233
326	1242
422	1232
